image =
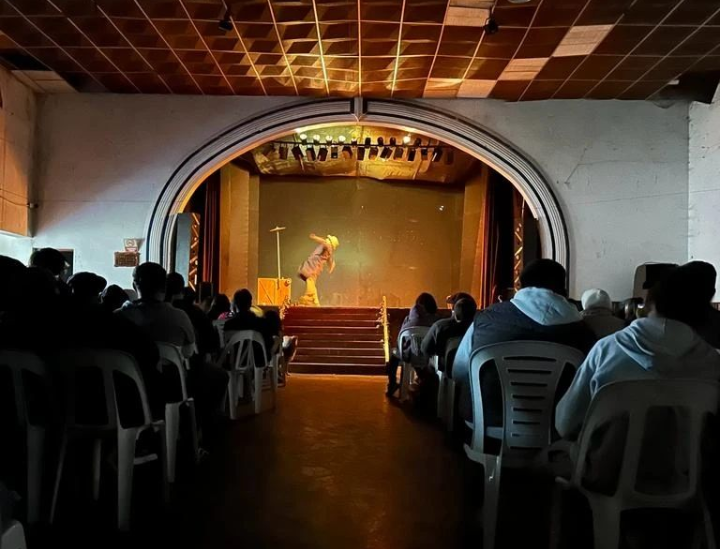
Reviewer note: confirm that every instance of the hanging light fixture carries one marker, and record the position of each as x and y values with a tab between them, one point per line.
412	152
283	152
346	149
373	149
297	153
437	154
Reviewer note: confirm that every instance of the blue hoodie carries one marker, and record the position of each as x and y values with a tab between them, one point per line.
650	348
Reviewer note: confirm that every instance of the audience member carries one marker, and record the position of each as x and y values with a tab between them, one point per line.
707	323
86	287
632	309
243	318
454	298
205	334
597	313
435	342
113	297
661	345
54	262
158	319
219	308
423	313
538	312
506	295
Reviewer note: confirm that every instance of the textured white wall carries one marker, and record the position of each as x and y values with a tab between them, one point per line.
17	138
704	206
619	170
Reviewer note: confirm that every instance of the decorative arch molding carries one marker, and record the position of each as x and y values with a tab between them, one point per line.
423	118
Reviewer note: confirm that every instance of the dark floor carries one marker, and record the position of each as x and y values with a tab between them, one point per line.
336	465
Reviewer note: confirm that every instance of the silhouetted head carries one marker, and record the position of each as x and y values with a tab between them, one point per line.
174	286
465	309
427	302
544	273
13	275
242	300
220	304
506	295
451	300
113	297
87	287
50	259
189	295
706	277
149	280
272	318
673	297
596	299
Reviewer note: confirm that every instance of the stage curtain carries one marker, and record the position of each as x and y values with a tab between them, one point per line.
211	231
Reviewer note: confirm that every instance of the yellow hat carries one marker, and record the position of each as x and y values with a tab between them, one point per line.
334	242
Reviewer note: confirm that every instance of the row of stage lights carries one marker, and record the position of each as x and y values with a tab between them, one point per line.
316	151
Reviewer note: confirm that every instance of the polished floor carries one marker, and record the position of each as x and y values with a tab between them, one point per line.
335	465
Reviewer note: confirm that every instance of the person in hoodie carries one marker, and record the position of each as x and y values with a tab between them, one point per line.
598	315
661	345
539	311
707	323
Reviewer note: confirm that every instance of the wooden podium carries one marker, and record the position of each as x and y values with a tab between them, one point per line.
273	291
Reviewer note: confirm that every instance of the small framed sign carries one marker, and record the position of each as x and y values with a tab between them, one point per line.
127	259
131	245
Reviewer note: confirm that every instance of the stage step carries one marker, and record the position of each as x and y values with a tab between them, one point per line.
336	340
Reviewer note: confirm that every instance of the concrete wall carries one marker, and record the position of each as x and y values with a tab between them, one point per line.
17	138
104	159
704	183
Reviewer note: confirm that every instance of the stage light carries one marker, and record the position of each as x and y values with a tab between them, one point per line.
334	152
437	154
424	153
449	156
328	139
283	152
297	153
341	139
398	150
387	151
418	142
373	153
316	139
322	155
361	153
406	140
412	152
347	149
225	24
368	141
303	138
310	151
380	141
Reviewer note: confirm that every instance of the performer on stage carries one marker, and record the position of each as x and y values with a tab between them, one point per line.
310	270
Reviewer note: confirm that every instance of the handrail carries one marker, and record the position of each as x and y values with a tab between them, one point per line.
386	329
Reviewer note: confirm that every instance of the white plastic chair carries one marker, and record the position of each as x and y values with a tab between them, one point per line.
23	364
171	355
414	336
219	326
446	385
238	357
694	401
276	356
529	372
111	365
12	537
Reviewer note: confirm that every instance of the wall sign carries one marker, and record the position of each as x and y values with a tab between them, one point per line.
127	259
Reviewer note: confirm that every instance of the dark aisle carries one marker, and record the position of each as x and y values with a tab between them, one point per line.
336	465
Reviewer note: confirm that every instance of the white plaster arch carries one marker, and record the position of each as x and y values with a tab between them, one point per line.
417	117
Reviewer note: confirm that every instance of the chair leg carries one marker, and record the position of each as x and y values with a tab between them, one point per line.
405	381
193	430
58	477
127	440
35	457
440	409
172	430
450	400
491	500
97	468
160	429
258	389
606	525
232	395
709	530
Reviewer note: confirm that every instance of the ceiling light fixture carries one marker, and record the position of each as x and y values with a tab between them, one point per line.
283	152
322	155
297	153
347	150
491	26
406	140
226	24
310	151
303	138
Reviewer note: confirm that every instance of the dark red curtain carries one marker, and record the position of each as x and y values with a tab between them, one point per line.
211	231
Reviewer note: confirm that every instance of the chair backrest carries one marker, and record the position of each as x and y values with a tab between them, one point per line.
529	372
29	375
219	326
110	366
239	351
451	348
691	402
411	340
172	356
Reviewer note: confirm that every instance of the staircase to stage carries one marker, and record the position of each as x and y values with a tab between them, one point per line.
336	340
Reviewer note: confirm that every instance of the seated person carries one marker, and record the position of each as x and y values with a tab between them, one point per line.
707	323
159	320
113	297
422	314
538	312
662	345
598	315
219	307
52	261
243	318
184	299
452	299
443	330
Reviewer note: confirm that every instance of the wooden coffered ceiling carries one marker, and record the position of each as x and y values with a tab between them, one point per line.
545	49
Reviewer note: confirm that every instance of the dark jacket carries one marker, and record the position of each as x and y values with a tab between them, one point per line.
440	333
